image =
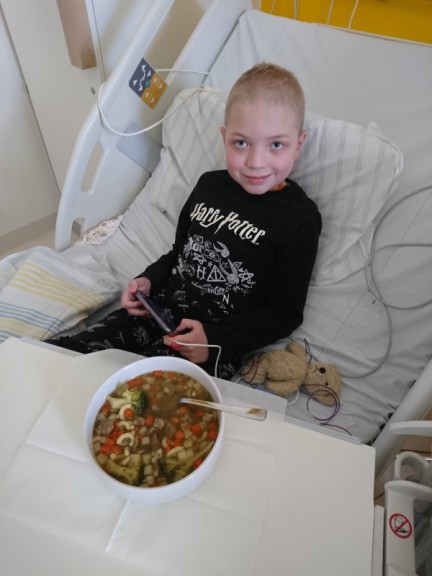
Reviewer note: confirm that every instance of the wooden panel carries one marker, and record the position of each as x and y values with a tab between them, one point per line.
76	27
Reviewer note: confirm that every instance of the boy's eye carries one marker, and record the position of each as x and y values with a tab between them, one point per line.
277	145
241	143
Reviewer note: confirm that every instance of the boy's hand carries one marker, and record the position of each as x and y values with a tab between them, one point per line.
194	334
130	302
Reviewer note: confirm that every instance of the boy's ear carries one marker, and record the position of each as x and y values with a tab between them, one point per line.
222	131
301	139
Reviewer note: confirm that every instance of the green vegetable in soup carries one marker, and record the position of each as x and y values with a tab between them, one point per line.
177	469
131	475
135	396
117	403
139	400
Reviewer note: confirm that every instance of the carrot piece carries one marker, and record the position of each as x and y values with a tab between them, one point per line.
168	445
128	413
106	408
197	463
107	446
157	373
134	382
116	431
179	435
149	420
212	434
174	420
182	410
196	429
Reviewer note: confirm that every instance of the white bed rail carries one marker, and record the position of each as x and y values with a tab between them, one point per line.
415	406
89	202
101	180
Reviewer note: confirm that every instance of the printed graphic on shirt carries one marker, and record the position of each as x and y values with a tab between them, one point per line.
208	266
208	217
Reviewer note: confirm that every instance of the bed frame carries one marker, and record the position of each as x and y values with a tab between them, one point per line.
107	171
103	163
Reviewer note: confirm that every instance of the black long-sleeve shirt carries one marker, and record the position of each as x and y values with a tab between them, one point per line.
240	263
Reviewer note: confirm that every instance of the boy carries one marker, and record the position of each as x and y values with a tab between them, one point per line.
245	245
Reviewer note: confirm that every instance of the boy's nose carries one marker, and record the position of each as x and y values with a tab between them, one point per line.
256	158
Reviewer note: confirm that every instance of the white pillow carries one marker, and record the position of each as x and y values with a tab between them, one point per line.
347	169
192	145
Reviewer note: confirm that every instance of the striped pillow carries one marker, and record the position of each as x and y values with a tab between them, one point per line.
45	293
347	169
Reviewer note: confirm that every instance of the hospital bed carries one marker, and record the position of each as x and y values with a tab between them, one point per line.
366	163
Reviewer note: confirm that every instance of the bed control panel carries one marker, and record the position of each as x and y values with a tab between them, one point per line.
147	84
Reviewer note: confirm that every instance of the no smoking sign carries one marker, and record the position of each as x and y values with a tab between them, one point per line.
400	525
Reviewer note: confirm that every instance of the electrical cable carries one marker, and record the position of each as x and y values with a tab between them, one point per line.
148	128
182	70
329	13
205	346
352	14
107	125
295	8
372	284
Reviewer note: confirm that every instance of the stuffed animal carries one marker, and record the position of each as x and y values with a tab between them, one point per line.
284	371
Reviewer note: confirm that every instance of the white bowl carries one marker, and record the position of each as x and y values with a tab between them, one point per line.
177	489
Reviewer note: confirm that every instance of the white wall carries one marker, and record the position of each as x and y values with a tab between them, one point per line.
61	94
28	190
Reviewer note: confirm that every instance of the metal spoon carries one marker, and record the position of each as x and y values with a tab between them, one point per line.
245	411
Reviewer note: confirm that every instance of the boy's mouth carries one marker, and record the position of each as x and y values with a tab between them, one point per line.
255	179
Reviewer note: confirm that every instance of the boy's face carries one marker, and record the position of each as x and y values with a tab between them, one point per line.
262	142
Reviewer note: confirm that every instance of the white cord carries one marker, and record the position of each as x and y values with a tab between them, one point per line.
182	70
373	286
352	14
144	130
329	13
205	346
295	8
118	133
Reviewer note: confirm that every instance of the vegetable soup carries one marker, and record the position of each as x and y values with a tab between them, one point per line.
143	435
